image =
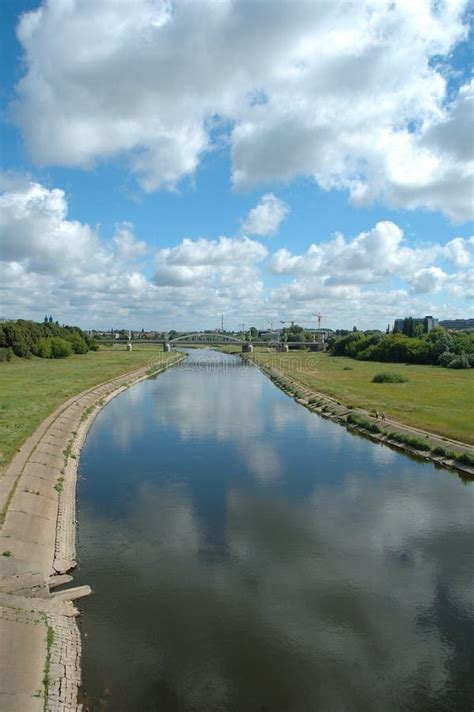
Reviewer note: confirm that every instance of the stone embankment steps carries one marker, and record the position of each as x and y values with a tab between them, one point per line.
329	407
37	548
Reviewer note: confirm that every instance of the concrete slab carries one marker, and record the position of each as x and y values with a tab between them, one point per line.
36	504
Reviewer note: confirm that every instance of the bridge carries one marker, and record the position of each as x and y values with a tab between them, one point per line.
214	338
200	337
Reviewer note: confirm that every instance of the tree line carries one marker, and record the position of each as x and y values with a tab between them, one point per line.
47	340
439	347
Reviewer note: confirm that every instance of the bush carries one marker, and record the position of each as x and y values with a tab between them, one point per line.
6	354
94	346
42	348
363	423
410	440
78	344
465	459
461	361
445	358
60	348
389	377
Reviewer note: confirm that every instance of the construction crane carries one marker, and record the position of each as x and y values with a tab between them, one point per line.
319	317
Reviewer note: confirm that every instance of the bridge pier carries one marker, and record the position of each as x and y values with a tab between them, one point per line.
129	346
247	348
166	346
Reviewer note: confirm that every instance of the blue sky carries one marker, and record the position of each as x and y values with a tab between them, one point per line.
143	184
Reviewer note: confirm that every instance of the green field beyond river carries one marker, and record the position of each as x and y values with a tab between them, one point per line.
435	399
247	555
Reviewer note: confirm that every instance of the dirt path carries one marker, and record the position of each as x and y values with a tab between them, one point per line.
40	645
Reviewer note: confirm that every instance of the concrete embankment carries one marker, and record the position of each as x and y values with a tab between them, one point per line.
413	441
40	645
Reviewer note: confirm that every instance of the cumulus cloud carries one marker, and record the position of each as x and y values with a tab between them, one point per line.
51	263
428	279
376	271
226	264
369	257
348	95
266	217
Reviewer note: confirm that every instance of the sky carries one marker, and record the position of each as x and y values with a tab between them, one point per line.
164	163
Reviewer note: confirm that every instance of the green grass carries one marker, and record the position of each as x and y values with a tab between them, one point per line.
30	389
47	662
436	399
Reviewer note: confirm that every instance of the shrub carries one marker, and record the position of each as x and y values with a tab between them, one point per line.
461	361
465	459
60	348
363	423
445	358
389	377
411	440
42	348
79	345
6	354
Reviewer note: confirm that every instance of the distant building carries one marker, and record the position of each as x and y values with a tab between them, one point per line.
457	323
322	333
428	323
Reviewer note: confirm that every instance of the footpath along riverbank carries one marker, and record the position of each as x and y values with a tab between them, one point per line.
40	646
443	451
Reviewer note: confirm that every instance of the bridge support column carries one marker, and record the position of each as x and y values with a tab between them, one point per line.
166	346
247	348
129	346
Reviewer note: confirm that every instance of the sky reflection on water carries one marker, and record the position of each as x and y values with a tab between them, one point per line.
248	555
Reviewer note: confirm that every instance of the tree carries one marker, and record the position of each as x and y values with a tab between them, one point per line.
50	319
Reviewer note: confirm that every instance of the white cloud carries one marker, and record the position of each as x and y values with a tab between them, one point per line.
370	257
224	263
52	264
348	95
375	273
428	279
266	217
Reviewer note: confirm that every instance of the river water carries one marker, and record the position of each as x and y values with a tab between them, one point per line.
247	555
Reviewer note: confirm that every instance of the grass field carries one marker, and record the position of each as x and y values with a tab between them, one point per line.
30	389
439	400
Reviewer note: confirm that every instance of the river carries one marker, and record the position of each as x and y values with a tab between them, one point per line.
247	555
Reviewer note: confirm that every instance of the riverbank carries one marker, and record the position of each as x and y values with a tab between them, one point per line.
444	451
40	662
33	388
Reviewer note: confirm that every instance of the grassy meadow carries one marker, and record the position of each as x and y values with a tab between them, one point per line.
31	389
436	399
